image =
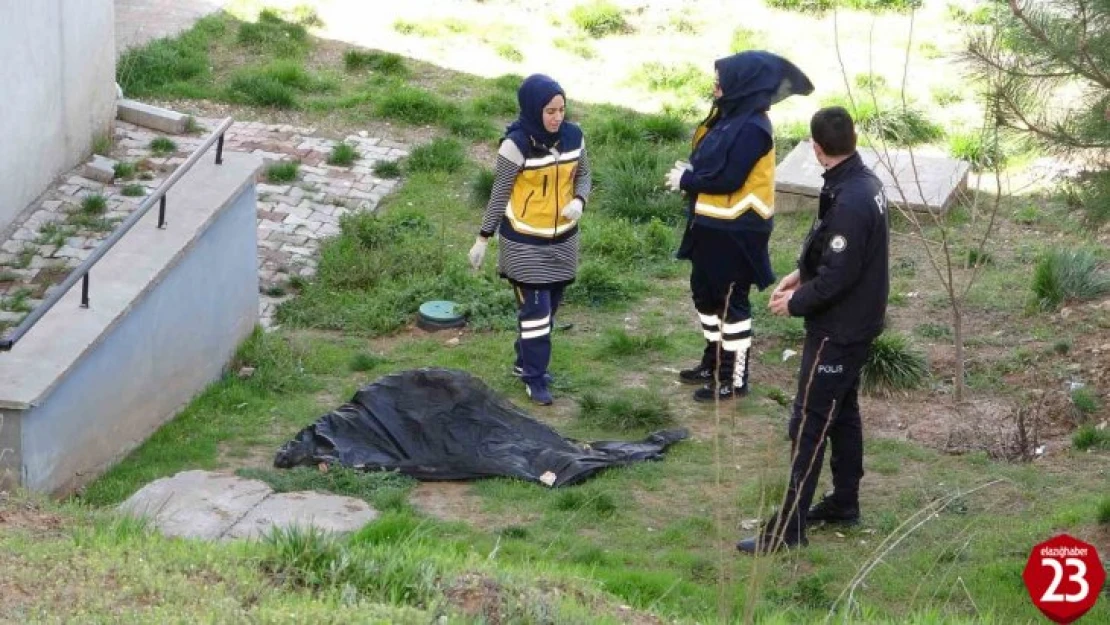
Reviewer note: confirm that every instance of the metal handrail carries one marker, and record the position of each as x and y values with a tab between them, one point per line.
81	272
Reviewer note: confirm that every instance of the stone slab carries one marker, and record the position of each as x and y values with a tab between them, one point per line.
153	117
330	513
197	504
100	169
217	506
916	181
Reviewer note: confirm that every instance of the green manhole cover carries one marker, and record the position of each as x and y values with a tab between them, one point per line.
439	314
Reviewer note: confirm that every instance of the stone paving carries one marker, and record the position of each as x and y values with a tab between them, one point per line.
65	225
217	506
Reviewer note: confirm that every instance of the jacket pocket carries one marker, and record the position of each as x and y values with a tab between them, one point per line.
524	211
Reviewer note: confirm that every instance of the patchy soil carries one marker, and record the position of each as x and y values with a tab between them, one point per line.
485	598
453	501
21	514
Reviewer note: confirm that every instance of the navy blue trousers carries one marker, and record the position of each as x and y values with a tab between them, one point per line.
535	319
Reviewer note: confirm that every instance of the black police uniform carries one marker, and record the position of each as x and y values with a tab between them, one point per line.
845	280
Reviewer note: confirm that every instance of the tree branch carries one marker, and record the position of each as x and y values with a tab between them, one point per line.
1043	38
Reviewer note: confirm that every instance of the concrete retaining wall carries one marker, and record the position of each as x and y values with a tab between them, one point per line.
168	309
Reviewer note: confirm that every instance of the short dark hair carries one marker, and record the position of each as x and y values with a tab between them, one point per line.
832	128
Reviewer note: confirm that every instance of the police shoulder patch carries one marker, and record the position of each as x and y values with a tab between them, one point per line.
838	243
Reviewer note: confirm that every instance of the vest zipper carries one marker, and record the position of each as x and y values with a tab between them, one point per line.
555	226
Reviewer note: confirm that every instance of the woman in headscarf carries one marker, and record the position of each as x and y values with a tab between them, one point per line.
730	185
541	184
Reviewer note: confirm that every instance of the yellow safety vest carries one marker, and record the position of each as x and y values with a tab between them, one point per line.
542	188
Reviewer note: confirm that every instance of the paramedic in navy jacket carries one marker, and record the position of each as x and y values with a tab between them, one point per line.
840	288
730	189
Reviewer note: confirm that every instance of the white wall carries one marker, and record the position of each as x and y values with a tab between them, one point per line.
57	91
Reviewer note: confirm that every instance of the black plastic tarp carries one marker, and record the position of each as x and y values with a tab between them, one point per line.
444	424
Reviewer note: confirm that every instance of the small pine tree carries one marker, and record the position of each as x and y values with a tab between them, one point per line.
1047	65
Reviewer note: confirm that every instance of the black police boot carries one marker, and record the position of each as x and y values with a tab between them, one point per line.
710	393
833	511
767	541
696	375
703	371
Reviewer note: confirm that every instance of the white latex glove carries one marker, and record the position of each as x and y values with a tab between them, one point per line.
478	252
674	178
573	209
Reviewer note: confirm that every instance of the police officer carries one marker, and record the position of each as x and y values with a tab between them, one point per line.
840	288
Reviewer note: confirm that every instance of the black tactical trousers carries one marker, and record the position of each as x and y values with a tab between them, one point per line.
826	408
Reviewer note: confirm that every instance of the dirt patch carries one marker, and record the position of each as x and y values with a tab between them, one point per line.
485	598
451	501
478	596
19	514
1002	427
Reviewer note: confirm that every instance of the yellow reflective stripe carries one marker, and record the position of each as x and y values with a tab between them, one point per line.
565	157
524	228
750	202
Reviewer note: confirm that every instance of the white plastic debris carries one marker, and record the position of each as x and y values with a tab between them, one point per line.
548	478
787	354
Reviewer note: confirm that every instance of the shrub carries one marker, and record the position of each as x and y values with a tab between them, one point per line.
630	410
622	242
343	155
415	106
260	90
599	284
383	62
629	185
497	103
1067	275
892	366
273	35
745	39
981	152
599	18
619	343
133	190
470	126
509	52
387	169
439	155
1085	401
1089	193
684	79
285	171
1090	437
162	146
146	70
481	186
578	47
124	170
94	205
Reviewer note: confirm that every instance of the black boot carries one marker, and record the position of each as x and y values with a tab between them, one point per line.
710	393
834	511
702	373
772	539
765	545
